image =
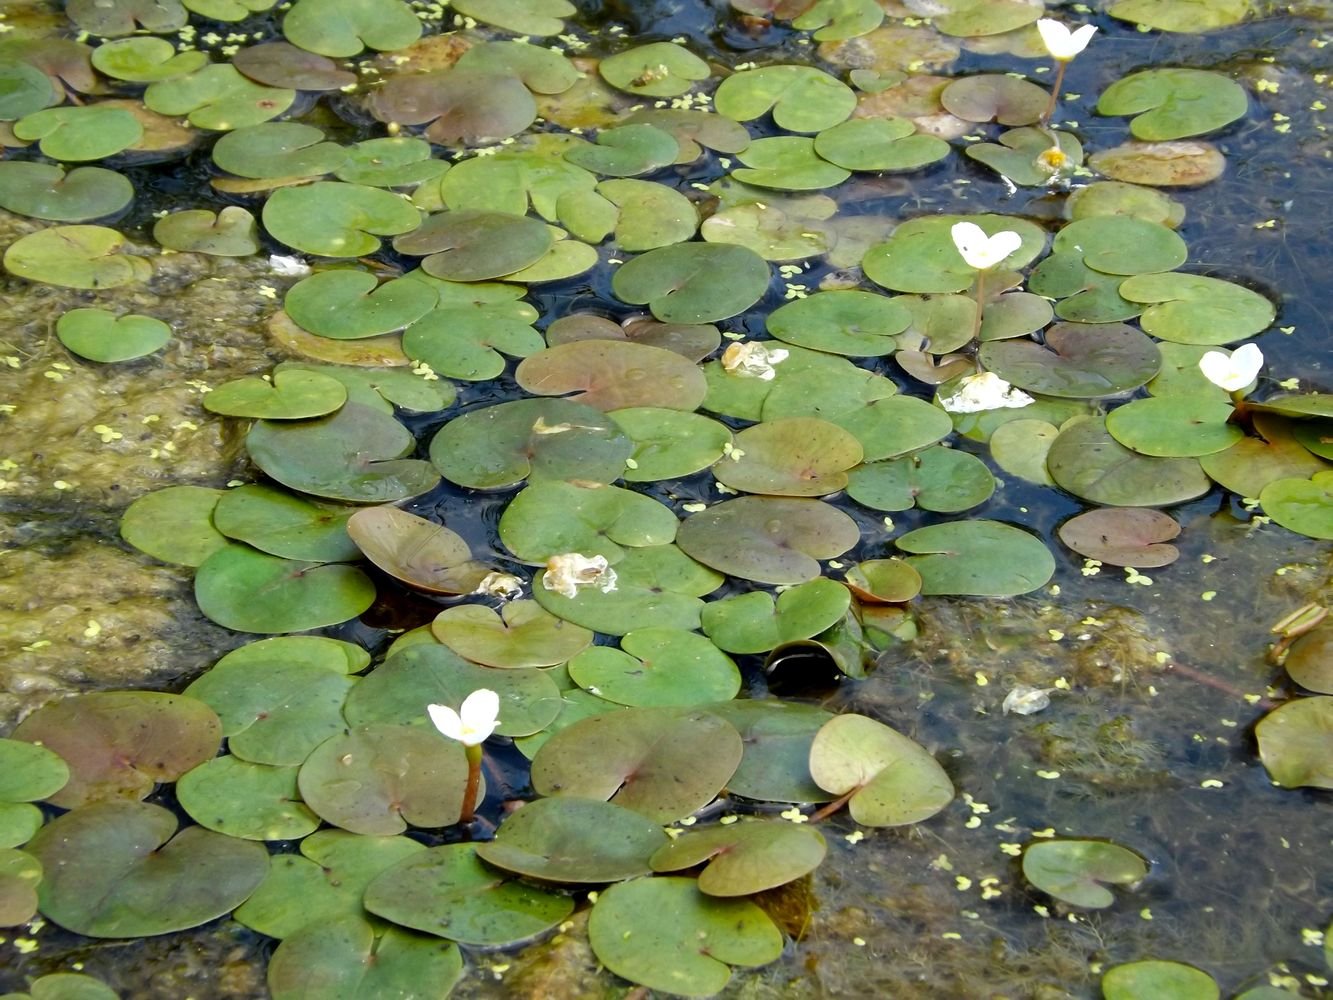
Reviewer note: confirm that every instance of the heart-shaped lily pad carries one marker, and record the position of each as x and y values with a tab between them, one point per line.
852	322
90	132
1174	426
123	17
662	762
1078	871
1196	309
553	517
385	388
523	17
29	772
251	591
939	479
245	800
1080	361
768	231
879	145
286	525
420	553
657	667
921	257
755	623
1309	663
24	89
469	340
1301	505
893	780
658	69
669	444
102	336
218	97
473	245
278	149
119	744
1029	157
335	219
457	106
20	874
328	654
274	711
115	870
880	581
342	28
1174	103
1121	244
1086	296
745	857
391	162
627	151
694	129
787	163
174	524
356	455
981	558
1161	164
76	257
614	374
995	97
1088	462
793	456
1188	17
290	395
565	839
231	232
379	779
502	445
281	64
1271	453
46	191
1123	536
1155	977
693	282
322	884
768	539
542	70
777	737
522	634
663	933
802	98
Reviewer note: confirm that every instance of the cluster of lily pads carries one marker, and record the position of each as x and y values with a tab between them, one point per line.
612	621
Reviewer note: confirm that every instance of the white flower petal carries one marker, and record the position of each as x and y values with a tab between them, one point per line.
1232	372
447	721
480	714
979	250
1060	42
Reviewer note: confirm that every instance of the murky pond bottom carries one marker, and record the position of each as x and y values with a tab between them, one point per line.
1156	679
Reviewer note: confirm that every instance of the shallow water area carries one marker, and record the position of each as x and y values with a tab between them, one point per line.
1156	677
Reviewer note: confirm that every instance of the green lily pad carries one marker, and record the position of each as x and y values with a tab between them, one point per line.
1294	404
1028	156
1194	309
502	445
1174	426
174	524
802	98
385	388
231	232
356	455
787	163
575	704
523	17
322	884
29	772
245	800
24	90
745	857
218	97
119	744
228	10
972	18
627	150
282	524
1119	198
1186	16
1014	314
341	28
334	219
614	374
457	106
835	20
20	874
379	779
46	191
995	97
390	162
1123	536
1020	448
76	257
522	634
65	986
649	215
880	581
542	70
278	149
669	444
777	736
1180	162
1174	103
1121	244
565	839
1308	662
1301	505
880	145
695	129
123	17
1271	453
755	623
274	711
851	322
658	69
115	870
534	175
768	231
920	256
398	691
348	958
662	762
894	781
420	553
657	667
553	517
1180	373
980	558
938	479
768	539
1316	436
566	259
290	395
280	64
102	336
658	585
1295	742
447	891
1088	462
887	425
792	456
251	591
1155	977
1077	360
1078	871
1086	296
329	654
469	340
693	282
472	245
90	132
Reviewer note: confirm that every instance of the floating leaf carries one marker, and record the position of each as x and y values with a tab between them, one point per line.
995	97
792	456
802	98
1174	103
385	388
777	736
1301	505
939	479
76	257
447	891
1118	198
218	97
250	591
1309	662
565	839
46	191
379	779
850	321
1087	296
1120	244
277	149
657	667
333	219
228	10
286	525
971	18
420	553
457	106
755	623
1154	977
879	144
119	744
768	231
894	781
1161	164
669	444
174	524
91	132
768	539
658	69
29	772
231	232
981	558
1088	462
145	59
920	256
470	245
341	28
662	762
614	374
24	90
1123	536
469	340
787	163
523	17
115	870
522	634
392	161
245	800
1271	453
101	336
1020	448
694	129
123	17
551	518
281	64
20	874
1029	156
1174	426
1187	16
745	857
1194	309
1077	360
1078	871
693	282
290	395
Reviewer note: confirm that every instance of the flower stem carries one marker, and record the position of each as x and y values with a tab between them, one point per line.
981	299
1060	65
473	783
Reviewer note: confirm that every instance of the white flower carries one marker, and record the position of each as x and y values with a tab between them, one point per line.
1235	371
565	574
1062	43
475	721
984	391
981	251
288	267
753	359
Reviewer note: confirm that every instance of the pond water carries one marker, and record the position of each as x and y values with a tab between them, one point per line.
1156	677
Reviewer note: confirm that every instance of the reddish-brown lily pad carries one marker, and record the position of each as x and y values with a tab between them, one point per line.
1123	536
613	375
420	553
